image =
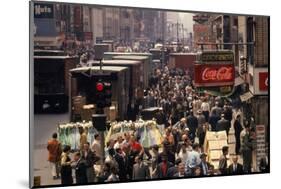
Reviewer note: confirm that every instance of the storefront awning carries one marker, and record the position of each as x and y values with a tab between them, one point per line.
238	81
246	96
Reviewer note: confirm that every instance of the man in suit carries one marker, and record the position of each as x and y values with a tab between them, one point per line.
156	158
201	125
168	151
217	110
223	124
235	168
247	145
237	131
192	123
227	111
204	165
122	164
213	120
184	140
140	169
181	171
162	168
90	158
223	161
80	169
173	170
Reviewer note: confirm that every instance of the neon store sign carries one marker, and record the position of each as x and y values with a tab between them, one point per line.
221	74
214	75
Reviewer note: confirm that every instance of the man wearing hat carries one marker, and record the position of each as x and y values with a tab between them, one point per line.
204	165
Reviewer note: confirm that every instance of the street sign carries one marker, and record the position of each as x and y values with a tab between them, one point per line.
43	10
99	50
200	18
263	81
260	150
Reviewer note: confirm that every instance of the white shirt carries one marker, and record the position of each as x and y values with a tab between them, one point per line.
183	156
96	147
193	159
117	145
205	106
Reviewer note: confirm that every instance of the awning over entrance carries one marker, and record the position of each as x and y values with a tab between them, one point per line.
246	96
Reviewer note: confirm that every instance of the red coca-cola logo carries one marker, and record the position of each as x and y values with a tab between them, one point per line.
214	74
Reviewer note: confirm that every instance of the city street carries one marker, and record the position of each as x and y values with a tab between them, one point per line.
124	94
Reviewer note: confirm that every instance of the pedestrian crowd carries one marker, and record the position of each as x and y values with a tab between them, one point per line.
185	115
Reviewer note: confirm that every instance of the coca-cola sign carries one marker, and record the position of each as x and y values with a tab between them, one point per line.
214	74
221	74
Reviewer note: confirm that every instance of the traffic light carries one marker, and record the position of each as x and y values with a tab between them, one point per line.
100	97
103	94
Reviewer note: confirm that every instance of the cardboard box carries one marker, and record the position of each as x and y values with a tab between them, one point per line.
87	111
77	104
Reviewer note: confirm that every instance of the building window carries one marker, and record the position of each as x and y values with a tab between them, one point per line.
226	31
235	22
250	38
126	14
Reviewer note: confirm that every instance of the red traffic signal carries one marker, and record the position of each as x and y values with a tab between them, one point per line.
99	87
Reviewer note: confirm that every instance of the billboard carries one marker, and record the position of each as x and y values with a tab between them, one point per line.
43	10
263	81
260	75
214	72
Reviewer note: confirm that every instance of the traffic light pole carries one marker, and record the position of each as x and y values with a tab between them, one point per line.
101	66
100	124
99	119
102	138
